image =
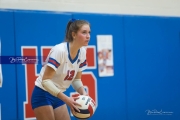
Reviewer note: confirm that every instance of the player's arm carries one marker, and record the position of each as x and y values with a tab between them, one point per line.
52	89
53	62
49	85
78	85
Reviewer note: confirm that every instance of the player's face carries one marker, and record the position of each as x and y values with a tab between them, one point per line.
83	35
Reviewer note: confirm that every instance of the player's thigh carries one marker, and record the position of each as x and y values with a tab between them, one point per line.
61	113
44	113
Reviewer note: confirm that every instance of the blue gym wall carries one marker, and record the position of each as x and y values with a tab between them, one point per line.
146	62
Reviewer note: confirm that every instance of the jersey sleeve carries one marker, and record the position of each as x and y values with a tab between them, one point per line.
83	63
54	59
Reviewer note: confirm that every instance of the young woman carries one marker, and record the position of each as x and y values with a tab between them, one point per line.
63	67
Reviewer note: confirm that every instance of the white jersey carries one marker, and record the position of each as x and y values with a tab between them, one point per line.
66	69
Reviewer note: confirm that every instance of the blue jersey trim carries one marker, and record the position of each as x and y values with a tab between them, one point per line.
72	61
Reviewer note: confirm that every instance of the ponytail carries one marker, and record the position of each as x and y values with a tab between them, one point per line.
67	36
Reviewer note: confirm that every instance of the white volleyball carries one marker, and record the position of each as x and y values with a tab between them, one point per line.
87	108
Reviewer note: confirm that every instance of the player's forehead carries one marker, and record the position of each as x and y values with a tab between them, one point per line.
84	27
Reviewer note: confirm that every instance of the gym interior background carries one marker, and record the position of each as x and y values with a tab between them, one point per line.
146	50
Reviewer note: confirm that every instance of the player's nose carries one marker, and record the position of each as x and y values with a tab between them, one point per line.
88	36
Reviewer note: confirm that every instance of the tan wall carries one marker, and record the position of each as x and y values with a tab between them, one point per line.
140	7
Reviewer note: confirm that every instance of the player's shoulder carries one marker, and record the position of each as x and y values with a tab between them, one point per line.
83	49
61	47
83	52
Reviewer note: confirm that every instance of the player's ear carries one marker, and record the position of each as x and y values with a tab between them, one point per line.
73	35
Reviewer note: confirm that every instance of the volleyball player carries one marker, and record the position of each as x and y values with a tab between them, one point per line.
63	67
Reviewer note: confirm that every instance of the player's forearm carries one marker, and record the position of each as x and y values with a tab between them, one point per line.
81	91
62	96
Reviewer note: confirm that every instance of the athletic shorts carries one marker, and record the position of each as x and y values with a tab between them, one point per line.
41	97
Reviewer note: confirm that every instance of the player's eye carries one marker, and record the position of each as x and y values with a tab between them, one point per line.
84	32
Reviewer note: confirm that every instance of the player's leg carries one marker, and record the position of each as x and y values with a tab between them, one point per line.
41	102
61	113
44	113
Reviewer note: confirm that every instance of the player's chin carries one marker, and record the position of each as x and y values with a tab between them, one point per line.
86	44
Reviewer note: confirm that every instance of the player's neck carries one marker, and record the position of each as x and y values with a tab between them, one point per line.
73	49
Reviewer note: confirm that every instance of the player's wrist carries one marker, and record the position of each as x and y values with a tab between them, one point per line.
85	93
81	90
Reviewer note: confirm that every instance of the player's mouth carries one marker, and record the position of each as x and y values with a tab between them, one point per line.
87	41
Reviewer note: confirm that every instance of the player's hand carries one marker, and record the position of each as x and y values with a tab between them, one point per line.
72	104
